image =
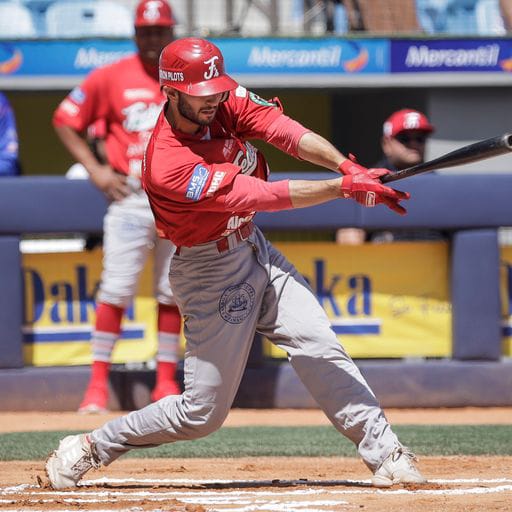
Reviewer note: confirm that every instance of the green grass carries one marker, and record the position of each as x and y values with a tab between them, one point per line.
287	441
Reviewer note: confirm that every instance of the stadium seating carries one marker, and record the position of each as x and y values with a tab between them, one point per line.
101	18
488	18
460	17
16	21
114	18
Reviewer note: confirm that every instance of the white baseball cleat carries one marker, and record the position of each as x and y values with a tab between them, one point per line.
70	461
398	468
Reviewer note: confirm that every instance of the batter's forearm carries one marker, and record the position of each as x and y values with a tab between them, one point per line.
317	150
305	193
249	193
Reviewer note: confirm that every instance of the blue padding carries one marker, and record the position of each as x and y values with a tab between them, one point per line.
475	283
414	384
443	201
11	303
331	215
55	204
50	205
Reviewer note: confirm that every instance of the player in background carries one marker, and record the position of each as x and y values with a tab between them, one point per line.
9	163
405	134
205	182
403	143
127	96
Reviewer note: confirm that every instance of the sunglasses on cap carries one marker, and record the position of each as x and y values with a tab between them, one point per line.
407	138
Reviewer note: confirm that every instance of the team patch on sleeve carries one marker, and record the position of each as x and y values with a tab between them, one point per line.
260	101
69	107
77	95
241	91
197	182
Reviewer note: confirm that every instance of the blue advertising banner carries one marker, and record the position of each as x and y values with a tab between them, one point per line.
332	59
453	55
56	58
269	56
242	56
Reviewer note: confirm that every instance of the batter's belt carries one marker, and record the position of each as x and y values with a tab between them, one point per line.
226	242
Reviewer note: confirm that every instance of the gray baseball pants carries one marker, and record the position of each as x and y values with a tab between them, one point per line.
224	298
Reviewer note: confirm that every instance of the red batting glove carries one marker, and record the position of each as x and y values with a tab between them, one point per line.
369	192
350	167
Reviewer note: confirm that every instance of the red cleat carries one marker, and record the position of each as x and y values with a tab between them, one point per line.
95	400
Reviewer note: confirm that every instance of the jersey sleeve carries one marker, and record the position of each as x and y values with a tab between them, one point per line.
85	104
256	118
220	188
251	115
188	180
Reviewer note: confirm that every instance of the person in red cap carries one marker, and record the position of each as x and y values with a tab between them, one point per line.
404	135
205	182
126	95
403	142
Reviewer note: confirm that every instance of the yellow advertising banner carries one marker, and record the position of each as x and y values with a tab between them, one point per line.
60	308
506	298
384	300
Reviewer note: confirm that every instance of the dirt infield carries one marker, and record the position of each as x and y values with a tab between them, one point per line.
263	484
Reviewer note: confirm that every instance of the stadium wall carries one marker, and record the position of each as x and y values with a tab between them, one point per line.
470	207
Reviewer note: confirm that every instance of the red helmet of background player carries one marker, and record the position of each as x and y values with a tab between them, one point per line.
404	120
194	66
154	13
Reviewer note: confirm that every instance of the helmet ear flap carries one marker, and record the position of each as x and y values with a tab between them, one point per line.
225	96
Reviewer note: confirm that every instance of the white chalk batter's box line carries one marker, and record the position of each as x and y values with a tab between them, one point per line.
239	500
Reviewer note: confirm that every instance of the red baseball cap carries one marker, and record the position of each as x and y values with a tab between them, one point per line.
154	13
406	119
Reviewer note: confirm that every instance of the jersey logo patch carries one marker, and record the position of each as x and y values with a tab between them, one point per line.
138	94
241	91
69	107
236	303
197	182
260	101
77	95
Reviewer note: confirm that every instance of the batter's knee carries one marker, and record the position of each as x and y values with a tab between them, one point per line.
200	418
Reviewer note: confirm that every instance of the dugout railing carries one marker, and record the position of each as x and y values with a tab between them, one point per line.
471	207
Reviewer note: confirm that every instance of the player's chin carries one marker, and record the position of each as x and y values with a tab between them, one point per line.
207	116
413	158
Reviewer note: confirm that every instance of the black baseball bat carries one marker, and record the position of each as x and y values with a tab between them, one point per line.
487	148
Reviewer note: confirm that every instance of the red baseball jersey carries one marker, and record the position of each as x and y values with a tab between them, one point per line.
187	176
127	96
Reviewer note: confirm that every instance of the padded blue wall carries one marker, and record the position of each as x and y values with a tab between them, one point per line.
471	206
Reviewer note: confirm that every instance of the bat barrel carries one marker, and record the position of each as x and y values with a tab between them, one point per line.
507	140
481	150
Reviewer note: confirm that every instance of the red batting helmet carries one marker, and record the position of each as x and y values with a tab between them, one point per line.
194	66
154	13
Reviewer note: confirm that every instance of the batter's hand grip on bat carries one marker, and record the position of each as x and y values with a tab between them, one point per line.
487	148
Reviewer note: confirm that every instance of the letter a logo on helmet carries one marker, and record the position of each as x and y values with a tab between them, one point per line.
194	66
212	68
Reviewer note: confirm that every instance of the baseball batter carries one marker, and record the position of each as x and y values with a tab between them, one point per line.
205	182
127	96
